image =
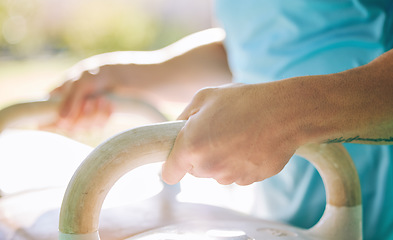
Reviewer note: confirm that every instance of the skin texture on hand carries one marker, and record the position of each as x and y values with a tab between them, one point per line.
222	138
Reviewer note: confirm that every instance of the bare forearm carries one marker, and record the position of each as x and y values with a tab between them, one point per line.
352	106
173	73
372	97
177	78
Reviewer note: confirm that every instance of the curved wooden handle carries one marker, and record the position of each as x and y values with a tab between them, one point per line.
107	163
46	112
337	171
103	167
22	114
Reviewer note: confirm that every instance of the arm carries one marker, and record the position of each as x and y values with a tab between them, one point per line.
253	130
364	97
173	73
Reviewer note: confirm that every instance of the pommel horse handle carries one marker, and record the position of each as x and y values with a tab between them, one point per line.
120	154
46	111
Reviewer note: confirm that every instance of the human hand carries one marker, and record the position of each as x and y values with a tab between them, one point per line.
236	133
83	104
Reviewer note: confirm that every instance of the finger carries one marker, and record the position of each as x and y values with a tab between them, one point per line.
233	172
85	118
175	167
102	112
251	176
172	173
227	177
74	102
73	105
95	114
75	94
63	91
245	181
224	181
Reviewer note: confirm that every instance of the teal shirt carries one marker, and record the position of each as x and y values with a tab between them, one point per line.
271	40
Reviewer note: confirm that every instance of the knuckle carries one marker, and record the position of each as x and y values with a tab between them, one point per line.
246	181
226	178
204	92
243	183
225	181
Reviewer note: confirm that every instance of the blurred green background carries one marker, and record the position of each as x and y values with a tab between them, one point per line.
40	39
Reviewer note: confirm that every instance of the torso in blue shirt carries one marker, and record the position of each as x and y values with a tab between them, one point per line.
271	40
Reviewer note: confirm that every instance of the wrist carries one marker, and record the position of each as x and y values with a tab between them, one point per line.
325	108
305	109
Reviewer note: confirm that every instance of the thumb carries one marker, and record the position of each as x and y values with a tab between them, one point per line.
171	173
175	168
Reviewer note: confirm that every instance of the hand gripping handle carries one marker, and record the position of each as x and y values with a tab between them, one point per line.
94	178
